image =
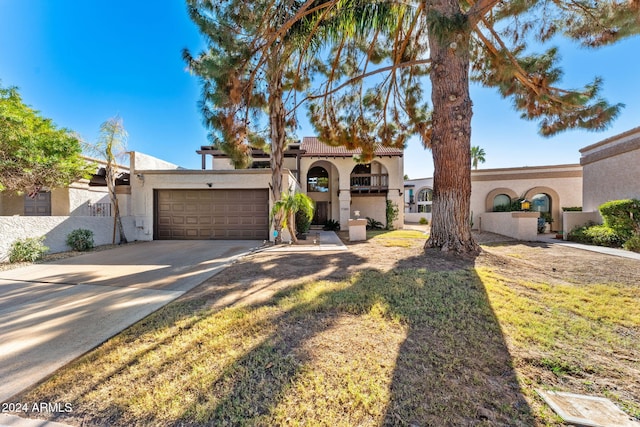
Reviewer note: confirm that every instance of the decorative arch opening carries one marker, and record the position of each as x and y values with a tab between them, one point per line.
546	201
317	180
425	200
490	201
369	178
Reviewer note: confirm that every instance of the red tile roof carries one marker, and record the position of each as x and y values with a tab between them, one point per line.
315	148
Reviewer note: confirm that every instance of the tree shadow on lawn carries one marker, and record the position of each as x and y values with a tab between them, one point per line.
404	347
438	358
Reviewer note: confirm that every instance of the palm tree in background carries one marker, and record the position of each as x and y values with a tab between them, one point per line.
477	155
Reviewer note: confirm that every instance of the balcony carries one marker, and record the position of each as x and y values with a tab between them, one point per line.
369	183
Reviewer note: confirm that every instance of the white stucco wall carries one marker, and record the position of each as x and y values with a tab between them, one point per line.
56	229
141	161
611	170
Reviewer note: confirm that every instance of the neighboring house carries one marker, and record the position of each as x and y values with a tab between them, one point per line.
548	188
227	203
56	212
611	170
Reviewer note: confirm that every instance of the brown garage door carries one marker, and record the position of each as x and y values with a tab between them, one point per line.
211	214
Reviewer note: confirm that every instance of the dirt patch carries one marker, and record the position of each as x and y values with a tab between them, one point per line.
4	266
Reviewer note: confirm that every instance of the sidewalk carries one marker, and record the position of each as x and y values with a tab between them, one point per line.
10	420
546	238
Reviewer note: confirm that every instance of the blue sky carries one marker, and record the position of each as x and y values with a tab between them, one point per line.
81	62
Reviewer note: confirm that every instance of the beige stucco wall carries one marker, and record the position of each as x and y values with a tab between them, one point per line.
519	225
12	204
370	206
611	170
562	182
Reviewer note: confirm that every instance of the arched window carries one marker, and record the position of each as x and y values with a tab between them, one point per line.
317	180
425	200
541	203
501	203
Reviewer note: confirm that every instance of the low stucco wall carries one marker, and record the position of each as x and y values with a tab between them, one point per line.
56	229
519	225
572	220
415	216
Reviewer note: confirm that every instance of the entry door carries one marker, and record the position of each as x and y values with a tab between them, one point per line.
321	215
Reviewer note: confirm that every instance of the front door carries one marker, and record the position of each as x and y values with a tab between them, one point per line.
321	214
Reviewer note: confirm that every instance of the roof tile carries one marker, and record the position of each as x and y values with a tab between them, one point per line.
314	147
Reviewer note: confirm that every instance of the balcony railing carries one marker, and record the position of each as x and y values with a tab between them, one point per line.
369	183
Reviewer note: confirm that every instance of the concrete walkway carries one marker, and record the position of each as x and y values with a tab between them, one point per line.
51	313
600	249
317	240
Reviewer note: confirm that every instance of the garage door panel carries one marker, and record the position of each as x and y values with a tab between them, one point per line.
211	214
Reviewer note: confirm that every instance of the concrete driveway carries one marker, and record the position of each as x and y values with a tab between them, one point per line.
52	313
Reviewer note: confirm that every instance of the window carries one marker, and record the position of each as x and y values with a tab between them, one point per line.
424	208
425	195
541	203
425	200
501	203
317	180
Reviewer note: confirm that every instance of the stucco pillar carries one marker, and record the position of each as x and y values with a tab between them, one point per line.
345	208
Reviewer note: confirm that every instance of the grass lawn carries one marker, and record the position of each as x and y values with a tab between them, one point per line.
465	345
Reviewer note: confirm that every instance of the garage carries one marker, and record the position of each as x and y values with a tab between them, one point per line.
211	214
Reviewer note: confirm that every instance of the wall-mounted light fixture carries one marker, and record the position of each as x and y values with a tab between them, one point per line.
140	176
209	184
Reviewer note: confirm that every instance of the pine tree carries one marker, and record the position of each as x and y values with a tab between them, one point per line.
456	42
247	69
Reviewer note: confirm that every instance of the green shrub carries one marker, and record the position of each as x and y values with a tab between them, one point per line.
424	221
633	244
80	239
331	225
392	213
303	222
29	249
372	224
572	209
502	208
599	235
622	215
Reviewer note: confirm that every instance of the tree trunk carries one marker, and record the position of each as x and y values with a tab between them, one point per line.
291	226
277	116
451	137
117	221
